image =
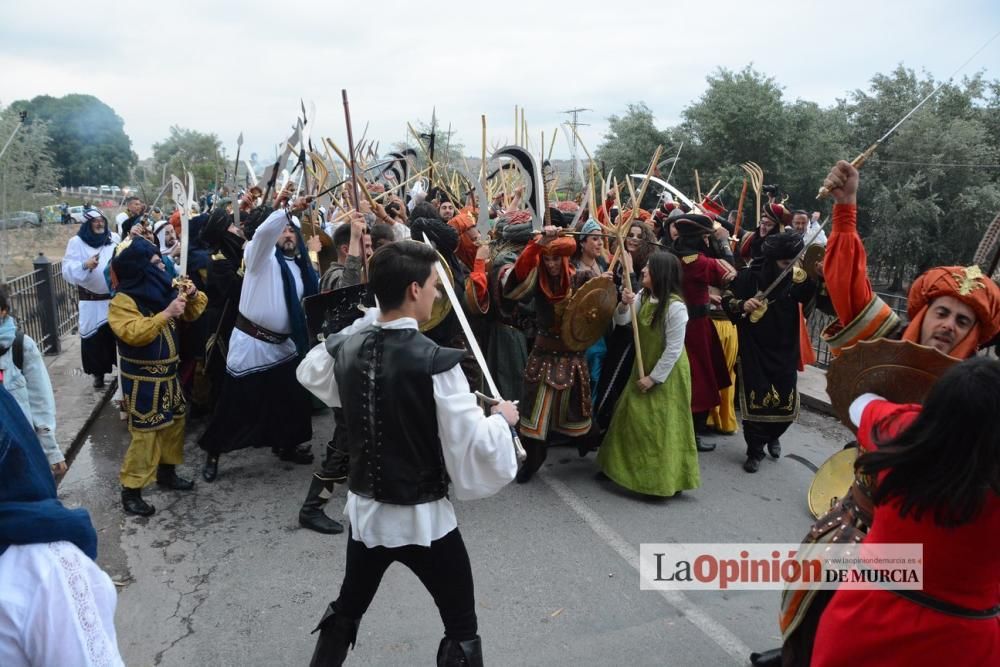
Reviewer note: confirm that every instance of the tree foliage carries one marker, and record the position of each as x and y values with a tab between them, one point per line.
27	168
88	141
189	150
926	196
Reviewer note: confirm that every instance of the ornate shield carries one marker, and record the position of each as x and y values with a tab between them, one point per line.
588	313
832	481
813	255
900	371
329	312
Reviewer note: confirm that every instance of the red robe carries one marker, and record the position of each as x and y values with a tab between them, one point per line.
709	372
961	566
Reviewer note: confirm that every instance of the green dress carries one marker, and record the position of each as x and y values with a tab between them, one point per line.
650	447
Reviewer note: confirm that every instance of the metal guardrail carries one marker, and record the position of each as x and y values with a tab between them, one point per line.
45	305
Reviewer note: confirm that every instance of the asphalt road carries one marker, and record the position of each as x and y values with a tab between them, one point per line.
224	575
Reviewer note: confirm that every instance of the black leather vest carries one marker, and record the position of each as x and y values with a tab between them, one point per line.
387	393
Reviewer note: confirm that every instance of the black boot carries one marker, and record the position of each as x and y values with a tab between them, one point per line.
337	635
311	515
774	448
210	470
99	381
702	446
770	658
167	477
133	503
536	457
294	454
454	653
752	464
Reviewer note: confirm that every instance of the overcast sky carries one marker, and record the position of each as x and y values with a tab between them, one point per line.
231	67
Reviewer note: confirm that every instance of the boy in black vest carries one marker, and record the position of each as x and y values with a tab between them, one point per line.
413	426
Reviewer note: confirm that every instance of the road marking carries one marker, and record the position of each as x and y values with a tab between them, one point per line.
711	628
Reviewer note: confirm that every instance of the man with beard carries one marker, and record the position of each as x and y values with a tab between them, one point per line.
769	346
87	256
143	315
262	403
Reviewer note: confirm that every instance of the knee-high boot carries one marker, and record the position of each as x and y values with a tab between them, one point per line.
311	515
337	635
454	653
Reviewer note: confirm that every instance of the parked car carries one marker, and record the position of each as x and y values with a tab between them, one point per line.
52	214
19	219
77	213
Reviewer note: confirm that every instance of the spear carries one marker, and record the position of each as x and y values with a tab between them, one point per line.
354	172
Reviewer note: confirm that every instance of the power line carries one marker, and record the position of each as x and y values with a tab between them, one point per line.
940	164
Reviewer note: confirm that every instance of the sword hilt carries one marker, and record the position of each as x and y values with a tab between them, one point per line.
857	163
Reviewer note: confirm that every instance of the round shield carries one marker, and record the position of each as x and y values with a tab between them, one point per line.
899	371
814	255
832	481
588	313
442	304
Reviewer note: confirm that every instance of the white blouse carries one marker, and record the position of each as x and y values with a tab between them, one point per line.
674	326
57	608
478	452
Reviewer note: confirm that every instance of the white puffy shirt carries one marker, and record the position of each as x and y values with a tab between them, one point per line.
478	452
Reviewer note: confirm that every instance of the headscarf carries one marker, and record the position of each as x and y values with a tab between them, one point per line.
148	286
462	222
87	234
30	512
564	247
217	237
159	231
968	285
175	222
780	215
310	286
590	227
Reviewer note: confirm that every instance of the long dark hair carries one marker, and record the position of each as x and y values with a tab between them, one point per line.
948	460
665	274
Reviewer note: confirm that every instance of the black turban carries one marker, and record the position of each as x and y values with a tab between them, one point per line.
693	224
786	245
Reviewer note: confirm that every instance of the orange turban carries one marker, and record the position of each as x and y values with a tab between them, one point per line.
462	222
175	222
564	247
561	246
968	285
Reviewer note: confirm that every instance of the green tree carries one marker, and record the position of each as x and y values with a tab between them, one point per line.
631	141
88	140
929	200
189	150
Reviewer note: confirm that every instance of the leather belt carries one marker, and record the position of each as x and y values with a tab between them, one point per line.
259	332
696	311
545	343
87	295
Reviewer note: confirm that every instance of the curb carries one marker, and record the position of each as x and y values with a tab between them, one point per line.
77	442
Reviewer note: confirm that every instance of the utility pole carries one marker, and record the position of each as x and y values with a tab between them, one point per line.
575	123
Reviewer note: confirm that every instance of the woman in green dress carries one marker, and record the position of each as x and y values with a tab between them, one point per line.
650	445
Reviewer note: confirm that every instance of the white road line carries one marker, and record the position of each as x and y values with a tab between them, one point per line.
712	629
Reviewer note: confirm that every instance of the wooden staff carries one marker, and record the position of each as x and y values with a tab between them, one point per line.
517	130
552	145
697	187
482	166
354	171
739	213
